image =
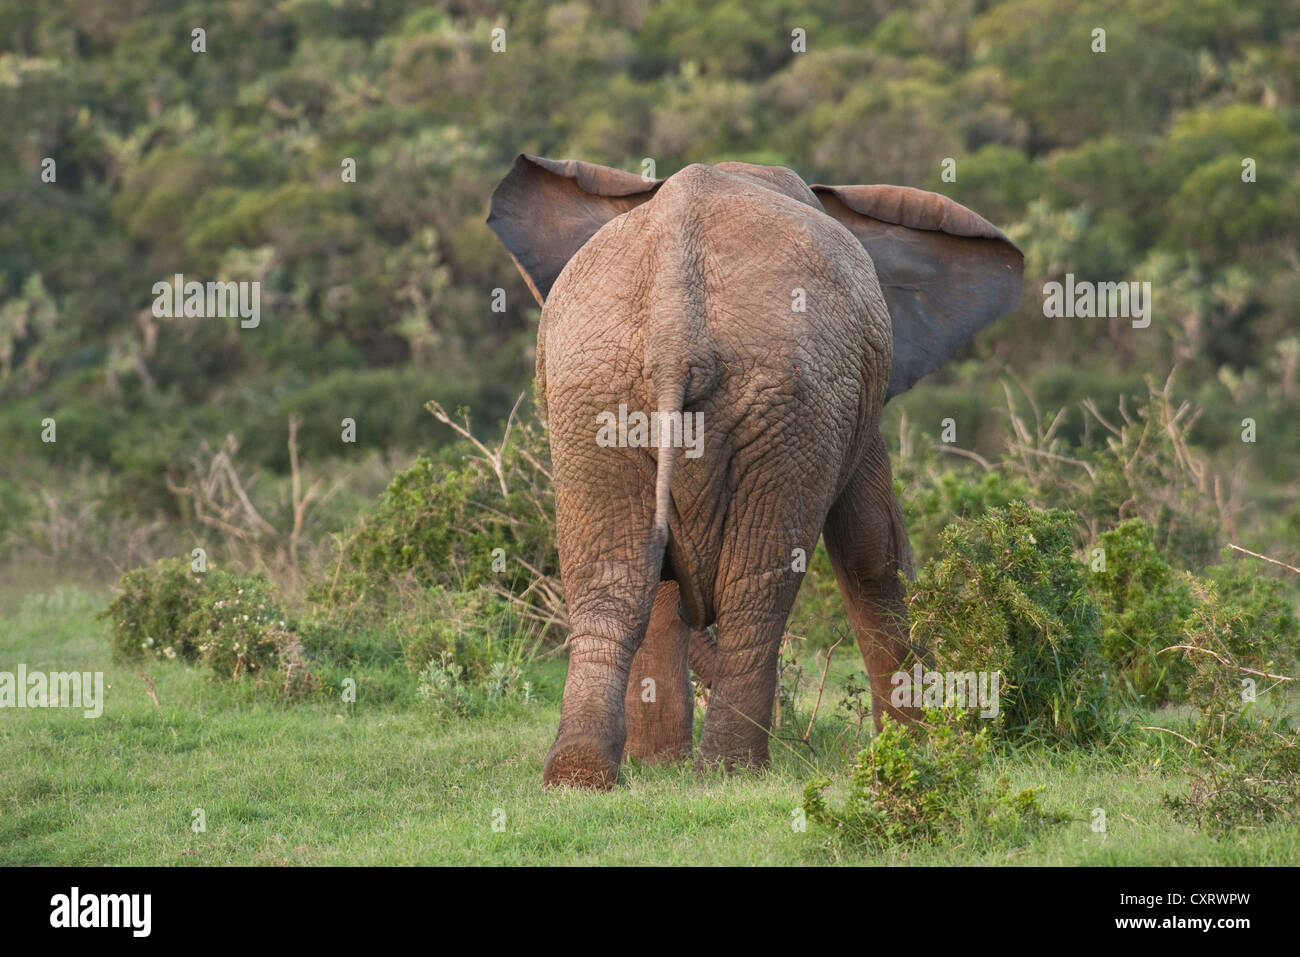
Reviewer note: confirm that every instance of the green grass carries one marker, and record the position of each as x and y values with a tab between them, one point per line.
319	782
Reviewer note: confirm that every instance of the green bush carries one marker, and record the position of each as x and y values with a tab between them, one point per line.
1245	747
1252	630
930	502
1144	608
239	630
442	684
1007	595
231	623
929	506
469	648
448	524
361	655
918	783
1264	627
476	626
445	686
151	617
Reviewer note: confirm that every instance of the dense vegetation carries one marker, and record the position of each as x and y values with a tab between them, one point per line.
1123	165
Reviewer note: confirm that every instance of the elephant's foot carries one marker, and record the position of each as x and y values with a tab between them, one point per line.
734	747
736	727
580	764
743	689
589	743
742	759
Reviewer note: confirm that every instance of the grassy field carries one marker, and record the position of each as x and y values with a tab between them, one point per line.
325	783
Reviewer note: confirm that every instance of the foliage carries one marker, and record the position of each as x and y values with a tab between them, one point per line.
1007	595
475	626
1263	627
1133	462
151	617
229	622
239	631
378	292
930	506
1246	745
485	522
448	692
469	649
919	784
1144	606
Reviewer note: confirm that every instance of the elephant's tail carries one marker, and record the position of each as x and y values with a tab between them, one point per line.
669	405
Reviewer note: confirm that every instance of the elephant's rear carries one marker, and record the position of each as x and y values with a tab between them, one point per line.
755	318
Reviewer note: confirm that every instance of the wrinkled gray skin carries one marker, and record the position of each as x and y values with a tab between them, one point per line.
679	295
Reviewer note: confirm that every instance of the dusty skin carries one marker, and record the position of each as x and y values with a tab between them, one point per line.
787	315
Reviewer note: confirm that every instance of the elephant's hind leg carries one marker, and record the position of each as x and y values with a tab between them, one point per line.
659	704
742	684
868	547
610	576
743	689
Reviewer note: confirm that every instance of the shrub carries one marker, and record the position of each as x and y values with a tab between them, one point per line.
442	684
239	631
150	617
485	520
1133	460
468	648
929	506
1246	753
364	656
230	623
930	501
1144	608
1227	651
1263	625
1007	595
919	783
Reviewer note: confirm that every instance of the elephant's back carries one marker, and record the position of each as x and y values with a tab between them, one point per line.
718	257
789	297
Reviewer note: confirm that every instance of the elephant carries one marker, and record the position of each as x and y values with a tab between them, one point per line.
778	318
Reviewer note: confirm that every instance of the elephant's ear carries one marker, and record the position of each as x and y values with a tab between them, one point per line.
545	210
946	273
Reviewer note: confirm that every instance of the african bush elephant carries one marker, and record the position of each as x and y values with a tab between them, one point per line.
777	319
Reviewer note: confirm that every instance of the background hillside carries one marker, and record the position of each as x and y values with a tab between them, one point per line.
1122	165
